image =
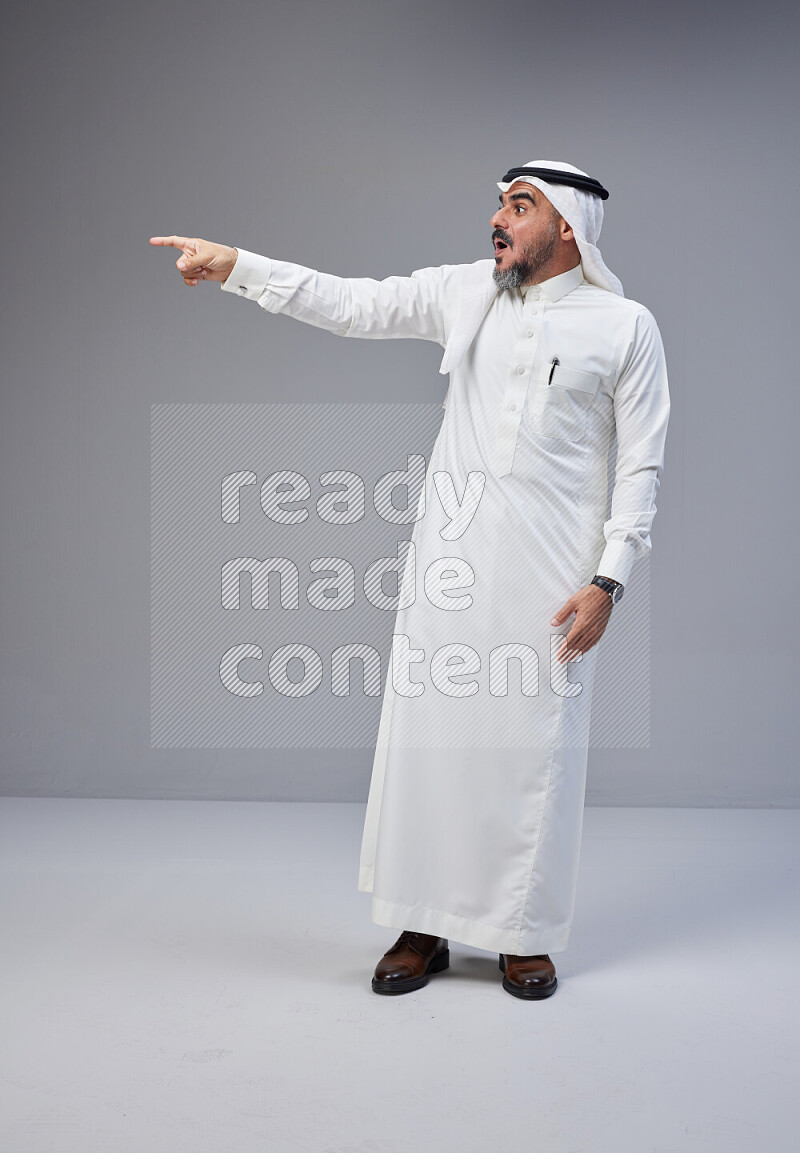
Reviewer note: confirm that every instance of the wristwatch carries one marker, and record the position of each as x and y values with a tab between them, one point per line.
613	588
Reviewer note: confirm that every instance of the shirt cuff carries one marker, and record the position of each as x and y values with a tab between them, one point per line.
249	276
617	561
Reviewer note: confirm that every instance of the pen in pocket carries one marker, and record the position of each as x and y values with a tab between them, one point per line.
552	369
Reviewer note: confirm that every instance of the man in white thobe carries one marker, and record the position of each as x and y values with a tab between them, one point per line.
475	810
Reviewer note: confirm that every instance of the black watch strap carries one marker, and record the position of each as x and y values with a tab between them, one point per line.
613	588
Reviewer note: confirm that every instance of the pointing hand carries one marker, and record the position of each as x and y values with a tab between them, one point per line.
200	259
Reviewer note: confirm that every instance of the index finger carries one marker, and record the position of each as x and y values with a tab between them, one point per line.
170	241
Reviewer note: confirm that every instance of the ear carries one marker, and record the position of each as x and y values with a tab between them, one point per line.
565	230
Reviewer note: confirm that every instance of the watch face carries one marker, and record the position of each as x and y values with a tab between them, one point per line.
617	594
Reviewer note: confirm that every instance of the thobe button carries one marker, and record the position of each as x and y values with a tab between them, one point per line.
513	407
520	369
530	332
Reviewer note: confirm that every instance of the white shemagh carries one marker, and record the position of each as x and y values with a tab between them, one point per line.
583	212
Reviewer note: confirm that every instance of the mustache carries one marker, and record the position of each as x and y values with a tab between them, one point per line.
501	234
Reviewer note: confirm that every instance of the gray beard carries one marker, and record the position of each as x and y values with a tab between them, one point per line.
508	278
532	261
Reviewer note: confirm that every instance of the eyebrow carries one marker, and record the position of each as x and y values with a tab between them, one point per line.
519	196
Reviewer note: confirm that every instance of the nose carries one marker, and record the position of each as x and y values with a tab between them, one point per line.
498	220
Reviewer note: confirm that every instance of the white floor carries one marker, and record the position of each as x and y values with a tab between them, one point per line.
195	976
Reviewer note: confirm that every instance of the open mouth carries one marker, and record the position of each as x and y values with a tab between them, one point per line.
500	245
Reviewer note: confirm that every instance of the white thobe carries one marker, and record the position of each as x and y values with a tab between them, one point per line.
555	421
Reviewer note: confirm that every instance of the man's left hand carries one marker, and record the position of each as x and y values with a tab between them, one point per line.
592	607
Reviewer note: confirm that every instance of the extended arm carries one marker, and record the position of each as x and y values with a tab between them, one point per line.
400	306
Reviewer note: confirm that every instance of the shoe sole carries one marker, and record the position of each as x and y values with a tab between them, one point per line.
442	961
527	994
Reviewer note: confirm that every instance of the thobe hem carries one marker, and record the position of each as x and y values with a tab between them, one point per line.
464	930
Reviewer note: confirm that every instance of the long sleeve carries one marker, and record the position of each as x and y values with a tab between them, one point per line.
641	413
400	306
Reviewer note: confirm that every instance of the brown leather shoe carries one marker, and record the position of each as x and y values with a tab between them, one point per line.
531	977
409	962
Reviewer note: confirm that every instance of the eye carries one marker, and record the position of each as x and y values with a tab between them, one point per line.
519	207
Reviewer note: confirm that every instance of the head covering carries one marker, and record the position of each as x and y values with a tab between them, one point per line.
579	199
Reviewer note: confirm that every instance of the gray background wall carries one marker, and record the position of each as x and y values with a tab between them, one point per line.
365	139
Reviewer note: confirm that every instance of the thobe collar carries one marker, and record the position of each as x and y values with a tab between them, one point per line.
478	291
555	287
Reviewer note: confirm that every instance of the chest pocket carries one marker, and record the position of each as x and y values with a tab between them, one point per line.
560	410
